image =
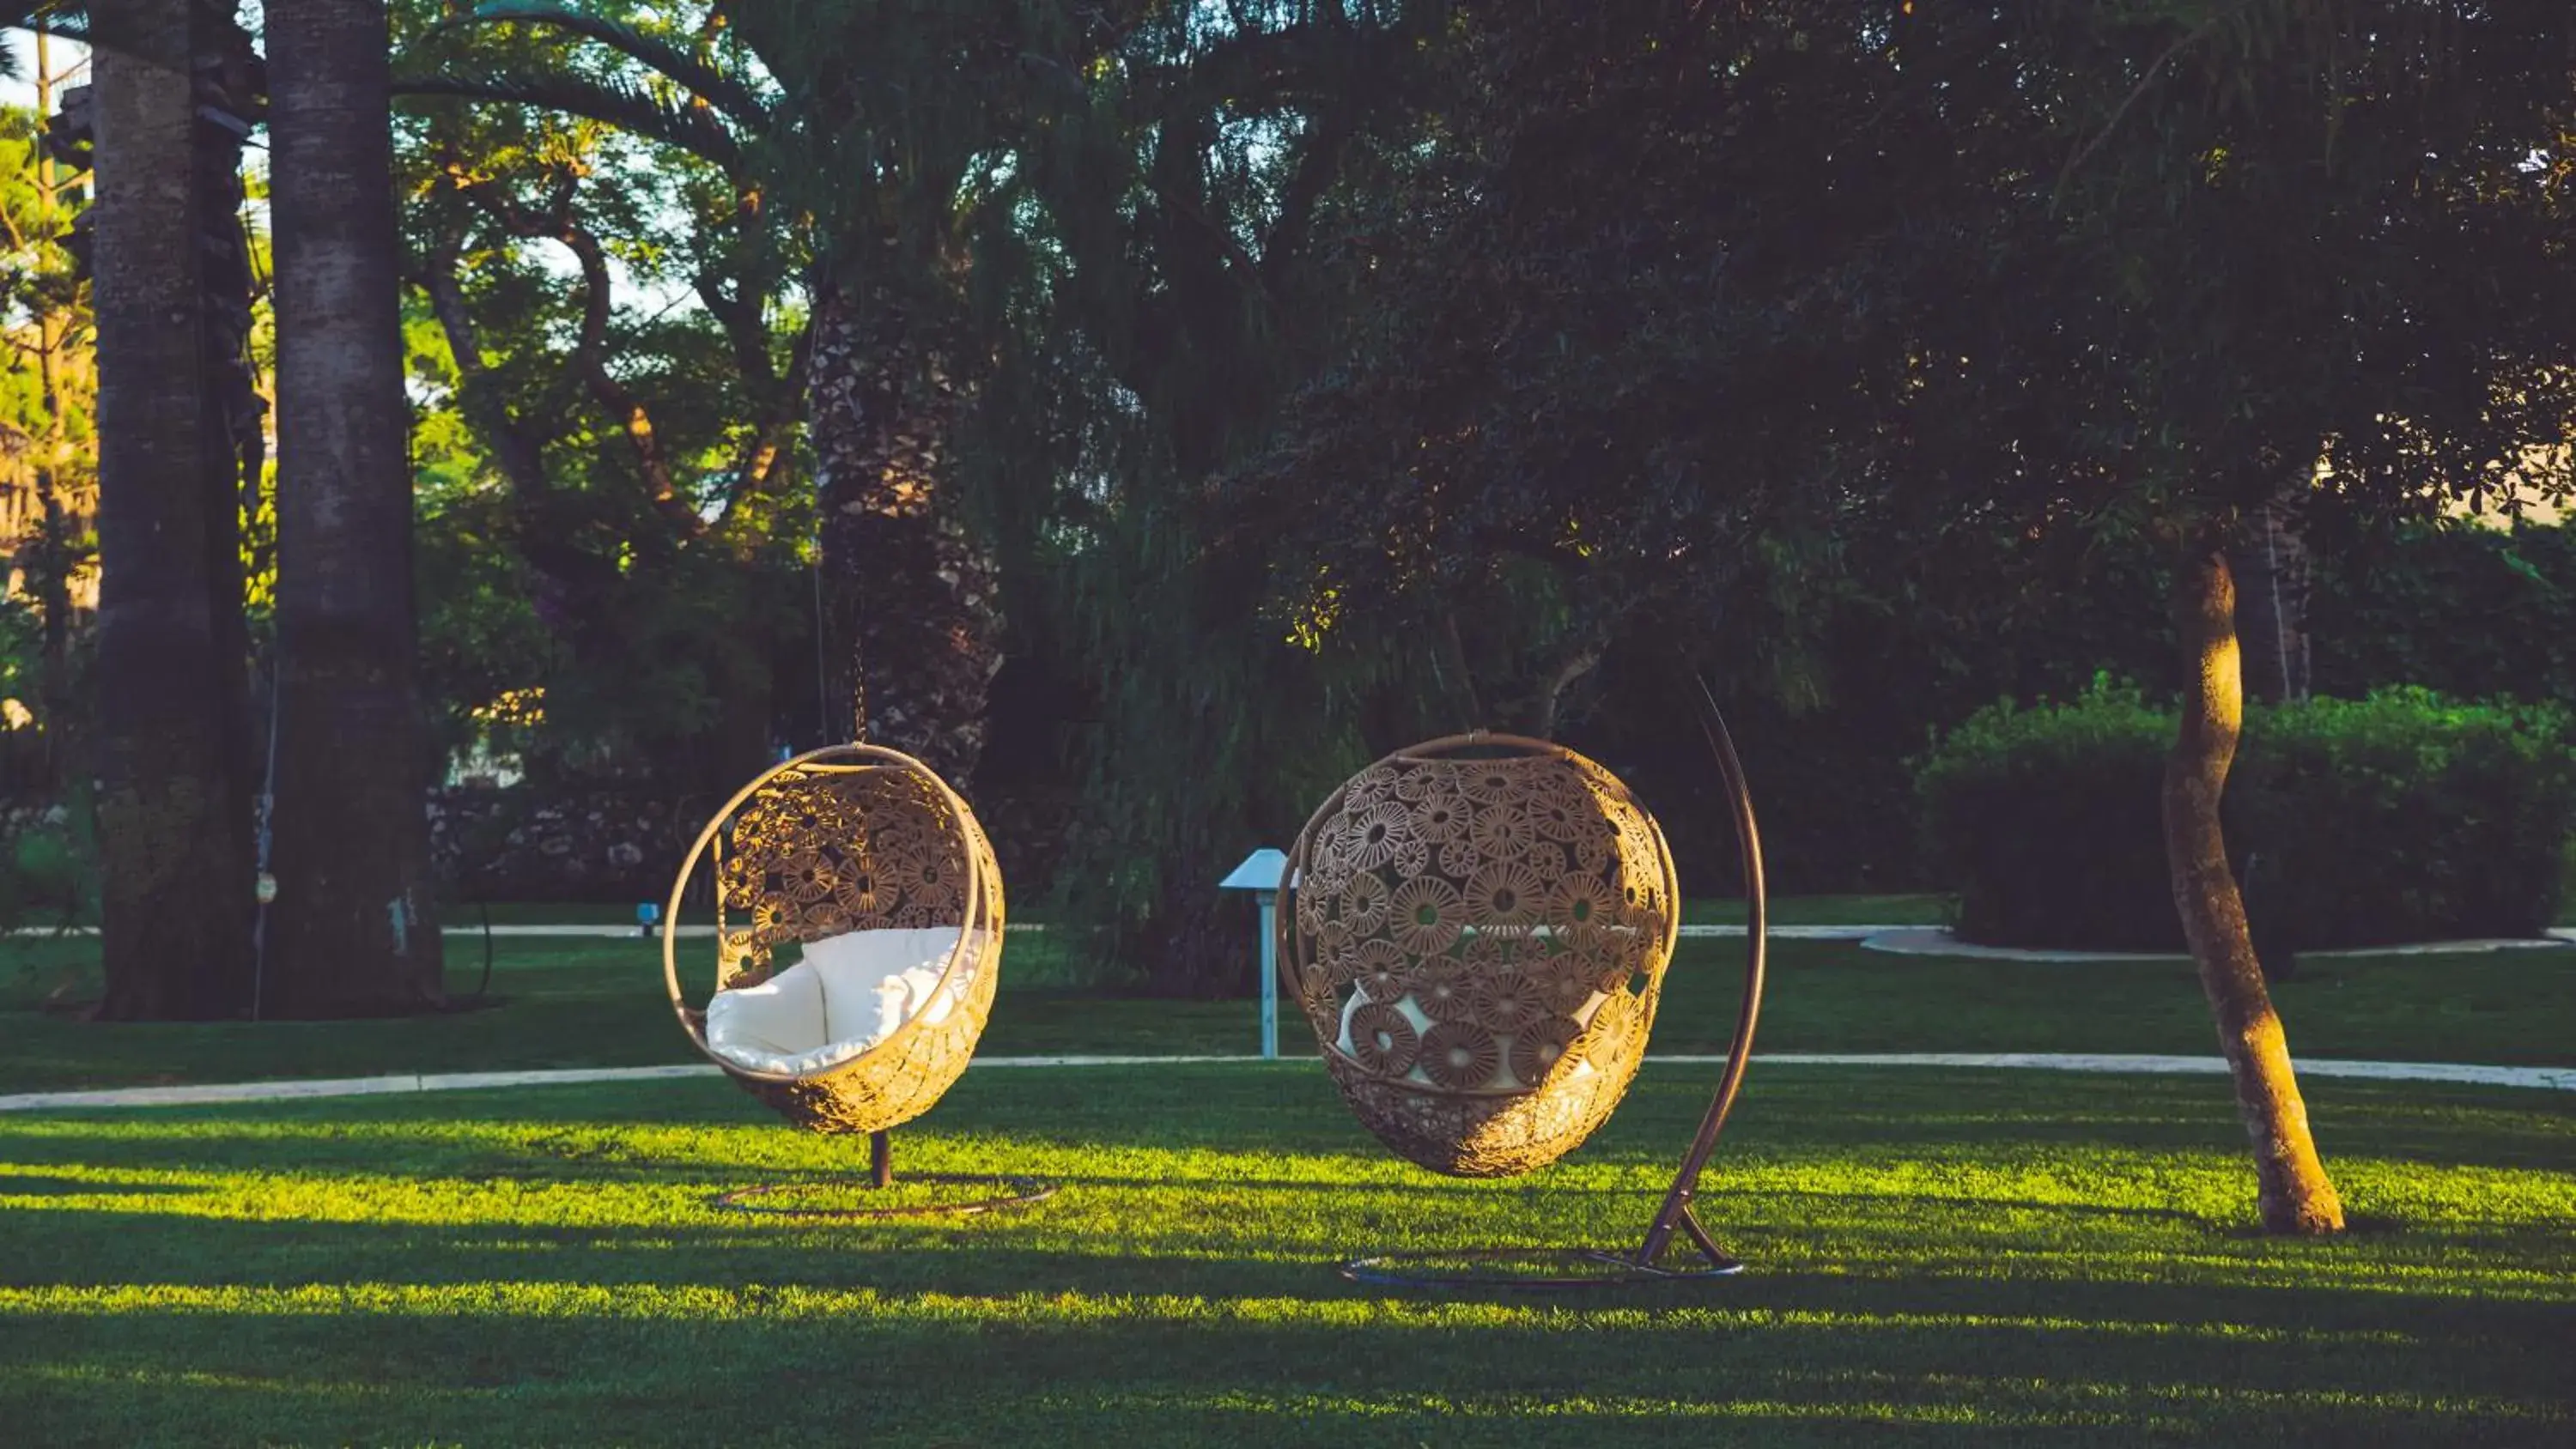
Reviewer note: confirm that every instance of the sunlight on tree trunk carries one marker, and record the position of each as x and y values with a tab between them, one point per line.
2295	1194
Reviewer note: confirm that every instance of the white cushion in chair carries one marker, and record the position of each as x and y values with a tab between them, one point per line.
782	1016
850	992
875	981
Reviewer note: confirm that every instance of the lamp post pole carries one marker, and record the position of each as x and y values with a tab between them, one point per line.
1269	976
1261	874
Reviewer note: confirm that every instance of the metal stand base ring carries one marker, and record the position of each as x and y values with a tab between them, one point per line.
1000	1193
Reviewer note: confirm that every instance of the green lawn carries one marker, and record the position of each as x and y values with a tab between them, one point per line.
1894	910
600	1003
1905	909
1942	1258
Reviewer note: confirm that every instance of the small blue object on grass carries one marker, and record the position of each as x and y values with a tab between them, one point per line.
1265	871
647	916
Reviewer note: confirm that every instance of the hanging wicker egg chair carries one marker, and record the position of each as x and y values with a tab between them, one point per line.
874	870
1478	930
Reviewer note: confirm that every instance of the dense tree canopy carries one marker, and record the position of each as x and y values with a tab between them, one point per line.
1703	304
1146	410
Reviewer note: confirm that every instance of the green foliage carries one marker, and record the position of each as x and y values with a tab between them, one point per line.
48	496
2406	817
1874	355
601	334
49	878
1573	349
2046	821
1178	262
1749	316
2401	817
2469	611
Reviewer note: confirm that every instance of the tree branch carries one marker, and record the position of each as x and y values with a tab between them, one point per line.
756	469
744	327
589	359
519	456
1297	208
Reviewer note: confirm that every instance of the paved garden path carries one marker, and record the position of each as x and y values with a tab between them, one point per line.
1901	940
1935	941
2561	1079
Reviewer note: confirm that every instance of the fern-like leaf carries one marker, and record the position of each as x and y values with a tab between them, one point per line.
719	86
629	108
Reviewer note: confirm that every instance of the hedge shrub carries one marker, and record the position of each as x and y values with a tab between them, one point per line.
45	879
2043	819
2401	817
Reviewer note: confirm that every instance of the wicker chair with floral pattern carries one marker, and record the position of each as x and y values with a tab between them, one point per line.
1478	930
865	864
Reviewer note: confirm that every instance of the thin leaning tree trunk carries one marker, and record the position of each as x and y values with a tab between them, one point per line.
174	799
2295	1196
355	926
913	609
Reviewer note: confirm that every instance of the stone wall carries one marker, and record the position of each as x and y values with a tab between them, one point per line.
519	844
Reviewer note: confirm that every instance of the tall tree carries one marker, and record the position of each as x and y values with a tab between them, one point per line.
355	926
1204	228
174	812
635	467
51	514
819	112
1720	289
2321	232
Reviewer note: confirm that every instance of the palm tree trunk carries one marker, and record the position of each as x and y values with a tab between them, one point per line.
911	599
2295	1195
355	927
174	801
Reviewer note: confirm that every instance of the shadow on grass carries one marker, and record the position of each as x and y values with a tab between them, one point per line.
1101	1243
1935	1259
1068	1348
1197	1114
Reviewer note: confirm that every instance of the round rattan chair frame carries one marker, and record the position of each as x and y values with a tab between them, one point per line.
1648	1263
905	1074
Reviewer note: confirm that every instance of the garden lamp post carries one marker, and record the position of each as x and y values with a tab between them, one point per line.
1260	872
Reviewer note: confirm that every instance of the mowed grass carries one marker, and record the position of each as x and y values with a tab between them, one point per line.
1917	909
585	1003
1936	1257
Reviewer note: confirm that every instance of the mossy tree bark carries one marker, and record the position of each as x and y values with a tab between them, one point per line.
174	820
355	925
2295	1194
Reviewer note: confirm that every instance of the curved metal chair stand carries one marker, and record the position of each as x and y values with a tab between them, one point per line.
838	840
1647	1261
